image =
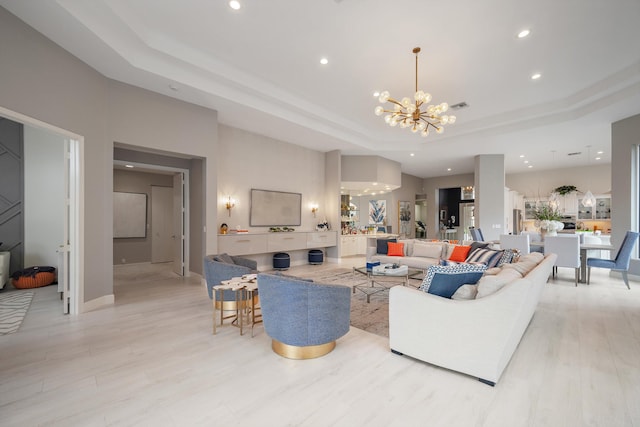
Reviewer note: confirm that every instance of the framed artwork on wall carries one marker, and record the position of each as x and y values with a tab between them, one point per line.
377	211
404	219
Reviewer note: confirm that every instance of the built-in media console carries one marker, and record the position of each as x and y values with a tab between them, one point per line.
263	243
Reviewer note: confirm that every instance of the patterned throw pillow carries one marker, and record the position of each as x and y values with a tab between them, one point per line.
395	249
488	257
508	256
444	281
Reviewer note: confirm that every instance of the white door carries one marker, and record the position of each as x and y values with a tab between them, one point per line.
64	249
70	251
178	223
161	224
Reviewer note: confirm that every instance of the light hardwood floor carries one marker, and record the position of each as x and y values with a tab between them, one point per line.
150	360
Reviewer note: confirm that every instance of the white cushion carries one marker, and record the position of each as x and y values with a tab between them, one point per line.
427	250
491	284
466	292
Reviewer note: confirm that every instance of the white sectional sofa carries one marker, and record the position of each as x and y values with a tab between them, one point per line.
417	254
476	337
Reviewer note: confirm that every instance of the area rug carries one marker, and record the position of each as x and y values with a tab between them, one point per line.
13	308
370	316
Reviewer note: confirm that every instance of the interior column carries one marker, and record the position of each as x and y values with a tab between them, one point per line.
489	195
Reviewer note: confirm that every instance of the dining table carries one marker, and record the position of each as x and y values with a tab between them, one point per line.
584	249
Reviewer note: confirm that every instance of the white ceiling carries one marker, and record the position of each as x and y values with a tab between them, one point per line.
259	68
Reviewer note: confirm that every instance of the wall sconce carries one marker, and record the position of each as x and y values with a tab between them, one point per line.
314	209
230	204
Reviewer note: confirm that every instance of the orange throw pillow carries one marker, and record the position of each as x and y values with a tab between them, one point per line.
459	253
395	249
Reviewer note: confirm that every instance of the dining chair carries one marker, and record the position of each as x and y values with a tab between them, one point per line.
592	240
567	248
516	241
476	234
621	261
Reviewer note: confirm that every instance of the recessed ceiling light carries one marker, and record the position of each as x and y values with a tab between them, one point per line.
376	94
521	156
524	33
128	166
597	158
448	169
324	61
600	152
530	166
412	154
235	4
535	76
374	183
526	162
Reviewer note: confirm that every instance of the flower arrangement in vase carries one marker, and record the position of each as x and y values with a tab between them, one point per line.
548	219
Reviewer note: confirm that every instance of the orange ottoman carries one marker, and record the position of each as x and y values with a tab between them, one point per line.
33	277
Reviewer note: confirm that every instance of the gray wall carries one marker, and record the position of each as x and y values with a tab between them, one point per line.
625	139
41	80
134	250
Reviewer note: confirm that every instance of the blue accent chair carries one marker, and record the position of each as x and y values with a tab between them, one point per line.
304	319
476	234
223	267
621	261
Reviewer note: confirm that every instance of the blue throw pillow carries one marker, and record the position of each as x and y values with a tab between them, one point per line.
444	281
383	248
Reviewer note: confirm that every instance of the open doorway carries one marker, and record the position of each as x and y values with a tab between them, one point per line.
165	234
421	216
63	165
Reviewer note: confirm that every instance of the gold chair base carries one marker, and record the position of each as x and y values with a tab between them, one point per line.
299	353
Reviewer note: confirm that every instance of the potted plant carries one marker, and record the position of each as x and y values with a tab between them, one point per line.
565	189
548	219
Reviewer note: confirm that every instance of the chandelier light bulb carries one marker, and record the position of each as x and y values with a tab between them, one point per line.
410	109
384	96
379	110
427	97
444	107
452	119
425	133
444	120
387	119
405	102
439	129
419	96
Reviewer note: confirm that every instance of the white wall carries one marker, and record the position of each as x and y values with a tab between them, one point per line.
539	184
43	197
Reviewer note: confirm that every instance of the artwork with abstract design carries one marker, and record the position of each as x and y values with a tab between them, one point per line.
377	211
404	219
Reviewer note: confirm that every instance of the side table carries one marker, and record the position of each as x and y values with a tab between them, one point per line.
245	289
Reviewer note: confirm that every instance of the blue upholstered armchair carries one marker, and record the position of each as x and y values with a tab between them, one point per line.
304	319
223	267
622	260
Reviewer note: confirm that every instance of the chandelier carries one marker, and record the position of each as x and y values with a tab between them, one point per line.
412	114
